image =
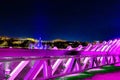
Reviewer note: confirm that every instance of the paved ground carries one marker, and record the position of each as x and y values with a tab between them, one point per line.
105	73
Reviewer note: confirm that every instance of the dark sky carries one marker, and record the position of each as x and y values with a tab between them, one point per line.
84	20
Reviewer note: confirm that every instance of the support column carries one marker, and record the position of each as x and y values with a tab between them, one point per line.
6	68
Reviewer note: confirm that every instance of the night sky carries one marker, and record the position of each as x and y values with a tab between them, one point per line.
83	20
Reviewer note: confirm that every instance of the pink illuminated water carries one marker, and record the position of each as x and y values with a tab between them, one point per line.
106	76
105	73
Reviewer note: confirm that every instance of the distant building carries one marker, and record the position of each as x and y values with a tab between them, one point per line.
39	45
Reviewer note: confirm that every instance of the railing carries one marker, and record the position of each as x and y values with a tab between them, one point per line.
34	64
